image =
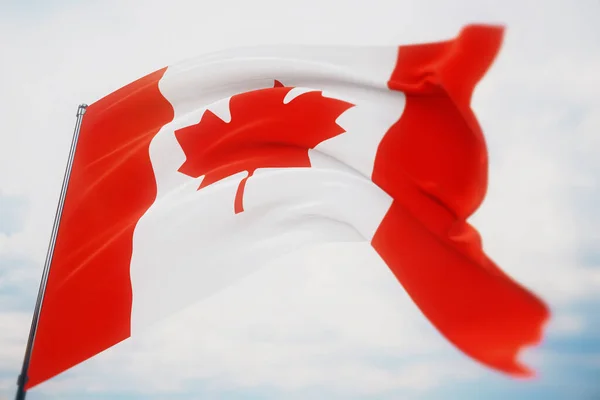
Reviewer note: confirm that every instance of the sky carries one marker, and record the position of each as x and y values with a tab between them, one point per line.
297	330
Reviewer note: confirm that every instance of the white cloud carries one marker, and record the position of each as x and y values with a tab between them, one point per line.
13	337
307	325
568	324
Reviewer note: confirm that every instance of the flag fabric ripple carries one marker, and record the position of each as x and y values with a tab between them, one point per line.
196	175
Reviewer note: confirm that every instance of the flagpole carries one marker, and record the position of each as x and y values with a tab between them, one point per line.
22	381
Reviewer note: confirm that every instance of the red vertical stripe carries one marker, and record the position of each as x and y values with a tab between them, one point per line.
87	305
433	162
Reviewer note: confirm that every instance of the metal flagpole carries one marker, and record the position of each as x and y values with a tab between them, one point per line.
22	381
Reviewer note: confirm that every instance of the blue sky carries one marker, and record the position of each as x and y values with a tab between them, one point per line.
12	209
296	330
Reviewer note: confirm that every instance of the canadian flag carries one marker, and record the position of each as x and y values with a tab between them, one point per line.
196	175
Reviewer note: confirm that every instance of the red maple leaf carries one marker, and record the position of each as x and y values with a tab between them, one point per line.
263	133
